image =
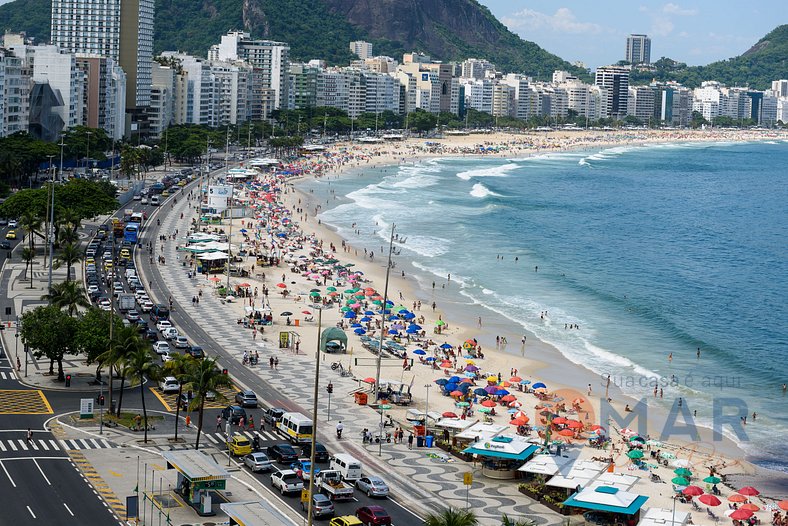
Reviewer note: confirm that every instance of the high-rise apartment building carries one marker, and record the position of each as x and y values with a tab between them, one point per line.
638	49
615	80
119	30
362	49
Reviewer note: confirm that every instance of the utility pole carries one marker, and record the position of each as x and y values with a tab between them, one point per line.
87	152
383	316
50	235
230	208
310	509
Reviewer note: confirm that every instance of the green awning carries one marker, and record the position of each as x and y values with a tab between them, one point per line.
590	504
479	449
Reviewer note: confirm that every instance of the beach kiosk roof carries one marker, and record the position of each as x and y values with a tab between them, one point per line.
580	474
621	481
455	424
212	256
195	465
547	464
503	446
201	237
255	513
607	499
664	517
481	431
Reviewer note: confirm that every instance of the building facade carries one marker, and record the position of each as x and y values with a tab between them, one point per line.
638	49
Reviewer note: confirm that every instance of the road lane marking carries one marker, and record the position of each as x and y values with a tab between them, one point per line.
2	447
93	441
54	444
7	474
13	446
31	512
161	399
42	472
68	509
22	444
85	443
44	445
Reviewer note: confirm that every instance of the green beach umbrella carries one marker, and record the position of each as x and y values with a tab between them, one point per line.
653	442
350	264
635	454
667	455
682	472
463	404
345	309
331	289
398	308
712	480
349	291
314	294
680	481
440	322
484	410
378	302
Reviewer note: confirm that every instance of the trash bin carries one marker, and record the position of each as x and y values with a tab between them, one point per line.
297	322
428	440
419	441
361	398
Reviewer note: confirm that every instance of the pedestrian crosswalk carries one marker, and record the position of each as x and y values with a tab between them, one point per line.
263	436
7	375
21	444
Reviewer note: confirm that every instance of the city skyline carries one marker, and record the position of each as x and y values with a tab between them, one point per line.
697	32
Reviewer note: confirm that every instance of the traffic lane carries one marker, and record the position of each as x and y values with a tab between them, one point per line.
50	491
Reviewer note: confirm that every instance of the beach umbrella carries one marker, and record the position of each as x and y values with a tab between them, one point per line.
490	389
637	439
368	313
667	455
466	380
447	346
440	323
681	463
692	491
679	481
682	472
516	404
578	401
518	421
464	404
393	332
349	315
501	392
480	392
737	498
508	398
306	312
566	433
515	379
331	289
446	364
484	409
655	443
750	506
560	420
471	368
454	379
597	427
286	313
749	491
712	480
449	414
635	454
574	424
709	500
539	385
525	382
441	381
505	384
740	515
429	359
493	379
314	294
488	403
456	393
360	331
783	505
366	319
281	285
420	352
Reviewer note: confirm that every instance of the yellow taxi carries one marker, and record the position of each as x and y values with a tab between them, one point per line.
165	193
90	261
345	520
239	445
125	253
108	265
182	182
11	234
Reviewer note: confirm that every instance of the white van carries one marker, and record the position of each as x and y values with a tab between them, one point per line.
297	427
349	468
169	385
154	201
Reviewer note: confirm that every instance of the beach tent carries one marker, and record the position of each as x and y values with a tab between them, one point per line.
607	499
333	334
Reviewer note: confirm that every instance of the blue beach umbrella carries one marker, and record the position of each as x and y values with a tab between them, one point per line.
366	319
501	392
539	385
360	331
411	330
349	315
356	325
393	331
420	352
480	392
441	381
454	379
414	327
408	315
430	359
445	346
369	313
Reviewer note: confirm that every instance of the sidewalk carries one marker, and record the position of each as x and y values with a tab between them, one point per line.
425	484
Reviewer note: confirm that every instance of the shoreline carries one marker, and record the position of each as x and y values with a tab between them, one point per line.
552	365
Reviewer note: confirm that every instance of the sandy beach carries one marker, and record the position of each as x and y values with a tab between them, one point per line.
533	360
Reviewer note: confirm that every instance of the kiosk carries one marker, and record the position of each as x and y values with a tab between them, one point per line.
198	476
255	513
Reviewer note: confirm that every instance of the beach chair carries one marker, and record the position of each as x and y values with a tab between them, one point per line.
711	515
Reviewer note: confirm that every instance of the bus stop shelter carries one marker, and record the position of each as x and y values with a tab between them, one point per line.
254	513
198	476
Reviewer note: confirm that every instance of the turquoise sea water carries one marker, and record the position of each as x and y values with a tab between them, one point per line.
650	250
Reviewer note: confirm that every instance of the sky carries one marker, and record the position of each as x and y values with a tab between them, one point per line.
594	32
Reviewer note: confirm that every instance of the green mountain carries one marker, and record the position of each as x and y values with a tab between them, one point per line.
757	67
443	29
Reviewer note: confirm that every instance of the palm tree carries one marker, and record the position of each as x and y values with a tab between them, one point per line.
68	222
31	223
179	367
69	256
203	378
67	295
452	517
28	256
506	521
126	343
142	365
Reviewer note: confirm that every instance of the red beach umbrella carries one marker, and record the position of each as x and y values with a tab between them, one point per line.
741	515
566	433
455	393
783	505
559	420
281	285
574	424
488	403
449	414
737	498
306	312
709	500
750	506
518	421
749	491
515	379
509	398
446	364
692	491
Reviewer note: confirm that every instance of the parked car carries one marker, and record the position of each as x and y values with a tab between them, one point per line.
282	453
246	398
286	481
370	515
373	486
258	461
321	506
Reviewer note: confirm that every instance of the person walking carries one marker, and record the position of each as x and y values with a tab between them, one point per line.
29	435
276	363
410	441
219	423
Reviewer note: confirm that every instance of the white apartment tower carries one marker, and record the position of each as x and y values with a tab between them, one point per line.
361	49
638	49
616	82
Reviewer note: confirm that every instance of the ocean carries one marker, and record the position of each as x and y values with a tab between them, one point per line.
652	251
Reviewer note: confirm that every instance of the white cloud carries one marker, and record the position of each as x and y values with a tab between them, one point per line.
675	9
562	21
661	26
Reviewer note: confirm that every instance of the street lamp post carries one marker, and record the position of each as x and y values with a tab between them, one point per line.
51	225
87	152
230	207
310	509
381	409
427	411
383	316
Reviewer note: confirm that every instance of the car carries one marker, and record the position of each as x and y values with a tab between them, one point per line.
258	461
239	445
104	304
321	506
170	334
246	398
181	342
133	315
163	324
233	413
146	306
5	244
373	486
169	384
137	197
151	334
108	266
3	221
12	223
196	352
161	347
373	515
11	234
165	193
321	453
273	415
144	201
282	453
167	356
92	289
303	469
345	520
286	481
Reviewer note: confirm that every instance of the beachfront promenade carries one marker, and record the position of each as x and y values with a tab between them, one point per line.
419	481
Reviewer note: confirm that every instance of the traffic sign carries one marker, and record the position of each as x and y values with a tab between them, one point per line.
467	478
305	495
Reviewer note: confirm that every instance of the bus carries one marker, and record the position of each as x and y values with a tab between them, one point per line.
136	218
130	233
297	427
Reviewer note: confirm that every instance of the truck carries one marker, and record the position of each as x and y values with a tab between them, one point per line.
330	482
127	214
126	302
